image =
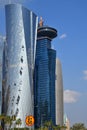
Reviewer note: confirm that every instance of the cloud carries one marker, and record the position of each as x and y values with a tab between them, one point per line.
63	36
85	74
71	96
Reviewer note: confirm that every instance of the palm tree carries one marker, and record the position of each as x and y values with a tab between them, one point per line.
56	127
63	127
42	128
78	126
0	127
48	124
8	121
13	118
2	118
18	122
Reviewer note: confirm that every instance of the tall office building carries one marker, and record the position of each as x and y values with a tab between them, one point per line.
44	76
59	93
1	70
20	47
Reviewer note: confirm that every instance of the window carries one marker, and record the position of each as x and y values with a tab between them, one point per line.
17	110
18	98
14	84
20	72
22	46
22	59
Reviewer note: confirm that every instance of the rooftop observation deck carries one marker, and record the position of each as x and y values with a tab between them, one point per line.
46	31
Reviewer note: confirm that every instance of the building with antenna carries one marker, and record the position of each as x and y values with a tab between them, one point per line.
44	76
20	47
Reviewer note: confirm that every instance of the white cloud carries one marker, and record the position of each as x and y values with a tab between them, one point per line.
71	96
63	36
85	74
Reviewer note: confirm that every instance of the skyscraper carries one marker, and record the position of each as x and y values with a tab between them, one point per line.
1	70
59	93
20	47
44	76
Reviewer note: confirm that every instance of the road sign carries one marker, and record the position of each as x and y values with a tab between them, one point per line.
29	120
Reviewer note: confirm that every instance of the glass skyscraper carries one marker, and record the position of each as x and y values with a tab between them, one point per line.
44	76
20	47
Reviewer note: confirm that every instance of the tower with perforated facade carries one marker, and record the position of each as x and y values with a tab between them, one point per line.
20	47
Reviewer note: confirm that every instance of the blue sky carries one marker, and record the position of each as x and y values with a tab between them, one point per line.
69	17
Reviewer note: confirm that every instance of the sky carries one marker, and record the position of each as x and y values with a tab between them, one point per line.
69	17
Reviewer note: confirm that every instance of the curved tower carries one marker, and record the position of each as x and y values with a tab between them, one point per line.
44	85
21	32
59	94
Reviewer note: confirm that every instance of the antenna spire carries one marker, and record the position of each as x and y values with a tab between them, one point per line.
41	22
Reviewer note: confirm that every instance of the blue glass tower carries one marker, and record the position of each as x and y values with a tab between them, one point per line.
44	76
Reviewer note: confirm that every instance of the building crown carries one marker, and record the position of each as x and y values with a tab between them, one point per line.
41	22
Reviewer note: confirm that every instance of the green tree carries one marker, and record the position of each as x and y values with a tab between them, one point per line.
13	118
48	124
8	122
63	127
57	127
2	118
18	122
78	126
0	127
